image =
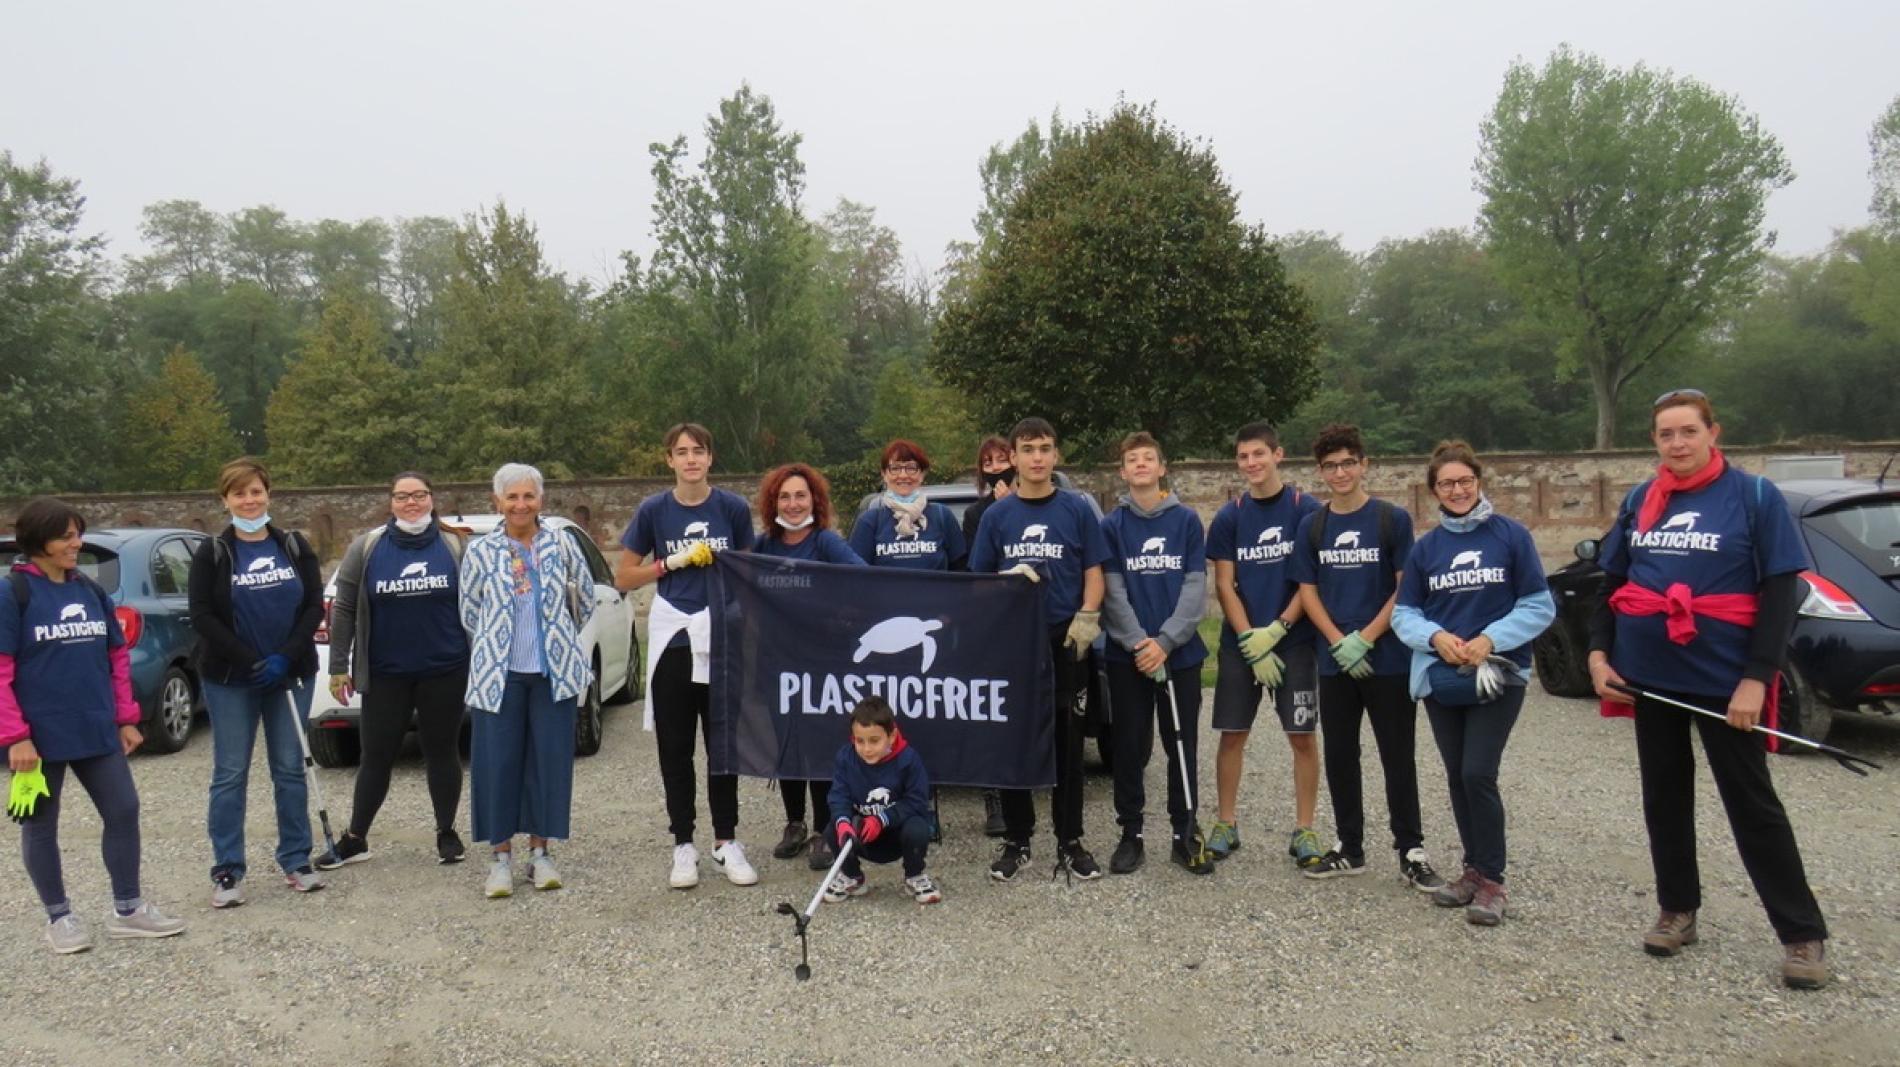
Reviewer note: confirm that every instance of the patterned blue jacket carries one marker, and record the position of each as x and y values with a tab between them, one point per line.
566	600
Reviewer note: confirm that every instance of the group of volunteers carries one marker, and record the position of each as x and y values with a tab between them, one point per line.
1332	610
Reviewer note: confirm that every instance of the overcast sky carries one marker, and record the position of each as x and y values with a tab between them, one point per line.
1358	119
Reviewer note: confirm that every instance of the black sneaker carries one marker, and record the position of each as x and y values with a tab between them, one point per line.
448	846
1192	856
993	825
791	842
1078	861
823	853
1336	863
1128	855
1417	871
349	849
1010	860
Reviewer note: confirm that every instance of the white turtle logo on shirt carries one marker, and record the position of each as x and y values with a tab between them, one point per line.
72	611
415	569
1350	537
262	563
1154	544
696	529
1271	533
900	634
1473	558
1684	521
1035	531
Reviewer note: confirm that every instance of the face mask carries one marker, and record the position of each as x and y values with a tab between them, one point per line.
251	525
413	527
793	525
901	499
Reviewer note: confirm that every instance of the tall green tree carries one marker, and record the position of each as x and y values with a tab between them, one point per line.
266	248
188	243
1002	173
1124	292
882	314
173	432
54	381
1884	142
1625	207
423	265
741	340
343	414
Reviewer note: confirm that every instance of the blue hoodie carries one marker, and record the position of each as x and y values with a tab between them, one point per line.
891	790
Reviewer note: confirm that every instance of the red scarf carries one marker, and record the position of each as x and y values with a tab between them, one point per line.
1682	606
1666	482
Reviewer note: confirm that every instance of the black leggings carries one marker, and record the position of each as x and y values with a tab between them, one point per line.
387	704
1385	699
679	702
794	793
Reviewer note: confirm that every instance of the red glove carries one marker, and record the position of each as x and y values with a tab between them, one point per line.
844	831
870	826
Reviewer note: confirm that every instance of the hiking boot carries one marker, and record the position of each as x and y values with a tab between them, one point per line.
68	935
1336	864
226	891
304	880
349	849
1673	930
501	877
144	921
730	858
685	873
822	853
1010	861
1224	840
1078	861
1804	965
449	847
1191	855
1417	871
1457	894
792	841
542	873
1127	856
993	825
1303	846
844	887
923	890
1487	905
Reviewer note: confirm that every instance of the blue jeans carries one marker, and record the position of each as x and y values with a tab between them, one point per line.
521	763
235	712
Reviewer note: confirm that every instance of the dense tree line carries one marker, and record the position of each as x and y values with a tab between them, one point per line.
1110	283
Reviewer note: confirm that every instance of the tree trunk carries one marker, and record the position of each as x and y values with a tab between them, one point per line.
1603	386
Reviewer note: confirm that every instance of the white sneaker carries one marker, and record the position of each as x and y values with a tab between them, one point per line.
541	871
731	858
501	878
685	867
146	921
68	935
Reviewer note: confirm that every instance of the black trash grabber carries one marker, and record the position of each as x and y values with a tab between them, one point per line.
803	919
1845	759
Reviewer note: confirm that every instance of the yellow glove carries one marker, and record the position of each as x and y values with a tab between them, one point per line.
28	788
1083	630
1259	641
697	554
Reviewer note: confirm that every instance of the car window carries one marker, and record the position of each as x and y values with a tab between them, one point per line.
171	567
595	561
99	564
1869	529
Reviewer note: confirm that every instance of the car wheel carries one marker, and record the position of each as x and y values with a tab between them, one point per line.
170	726
630	692
335	746
1560	663
1803	713
587	722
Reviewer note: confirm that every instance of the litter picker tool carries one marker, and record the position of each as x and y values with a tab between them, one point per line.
1845	759
803	919
310	767
1180	747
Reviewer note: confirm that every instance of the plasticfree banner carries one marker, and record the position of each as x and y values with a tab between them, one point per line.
962	658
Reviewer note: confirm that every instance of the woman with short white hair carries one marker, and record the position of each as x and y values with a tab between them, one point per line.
525	595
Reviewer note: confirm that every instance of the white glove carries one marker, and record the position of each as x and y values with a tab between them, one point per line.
697	554
1083	630
1492	676
1025	570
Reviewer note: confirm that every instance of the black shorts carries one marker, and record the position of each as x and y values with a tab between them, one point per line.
1237	692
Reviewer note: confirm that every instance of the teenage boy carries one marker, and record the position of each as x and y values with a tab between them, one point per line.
672	537
880	797
1156	576
1052	536
1347	559
1266	643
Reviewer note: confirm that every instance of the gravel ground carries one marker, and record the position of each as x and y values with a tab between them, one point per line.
403	961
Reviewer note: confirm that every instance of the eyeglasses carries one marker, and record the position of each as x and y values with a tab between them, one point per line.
1335	467
903	468
1446	485
1679	394
416	497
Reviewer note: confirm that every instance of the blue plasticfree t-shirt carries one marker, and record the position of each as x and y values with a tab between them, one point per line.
266	594
60	644
1703	541
415	624
1464	582
1258	536
1057	534
1354	577
937	547
822	546
663	526
1154	555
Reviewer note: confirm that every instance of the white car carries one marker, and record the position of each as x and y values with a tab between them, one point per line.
608	637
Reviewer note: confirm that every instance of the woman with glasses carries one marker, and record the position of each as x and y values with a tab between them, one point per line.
903	529
1472	599
396	637
1704	564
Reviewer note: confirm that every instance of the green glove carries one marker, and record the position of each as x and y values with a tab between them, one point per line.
1258	643
1160	674
1269	669
28	788
1350	654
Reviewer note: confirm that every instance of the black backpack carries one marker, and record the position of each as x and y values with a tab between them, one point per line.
23	591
